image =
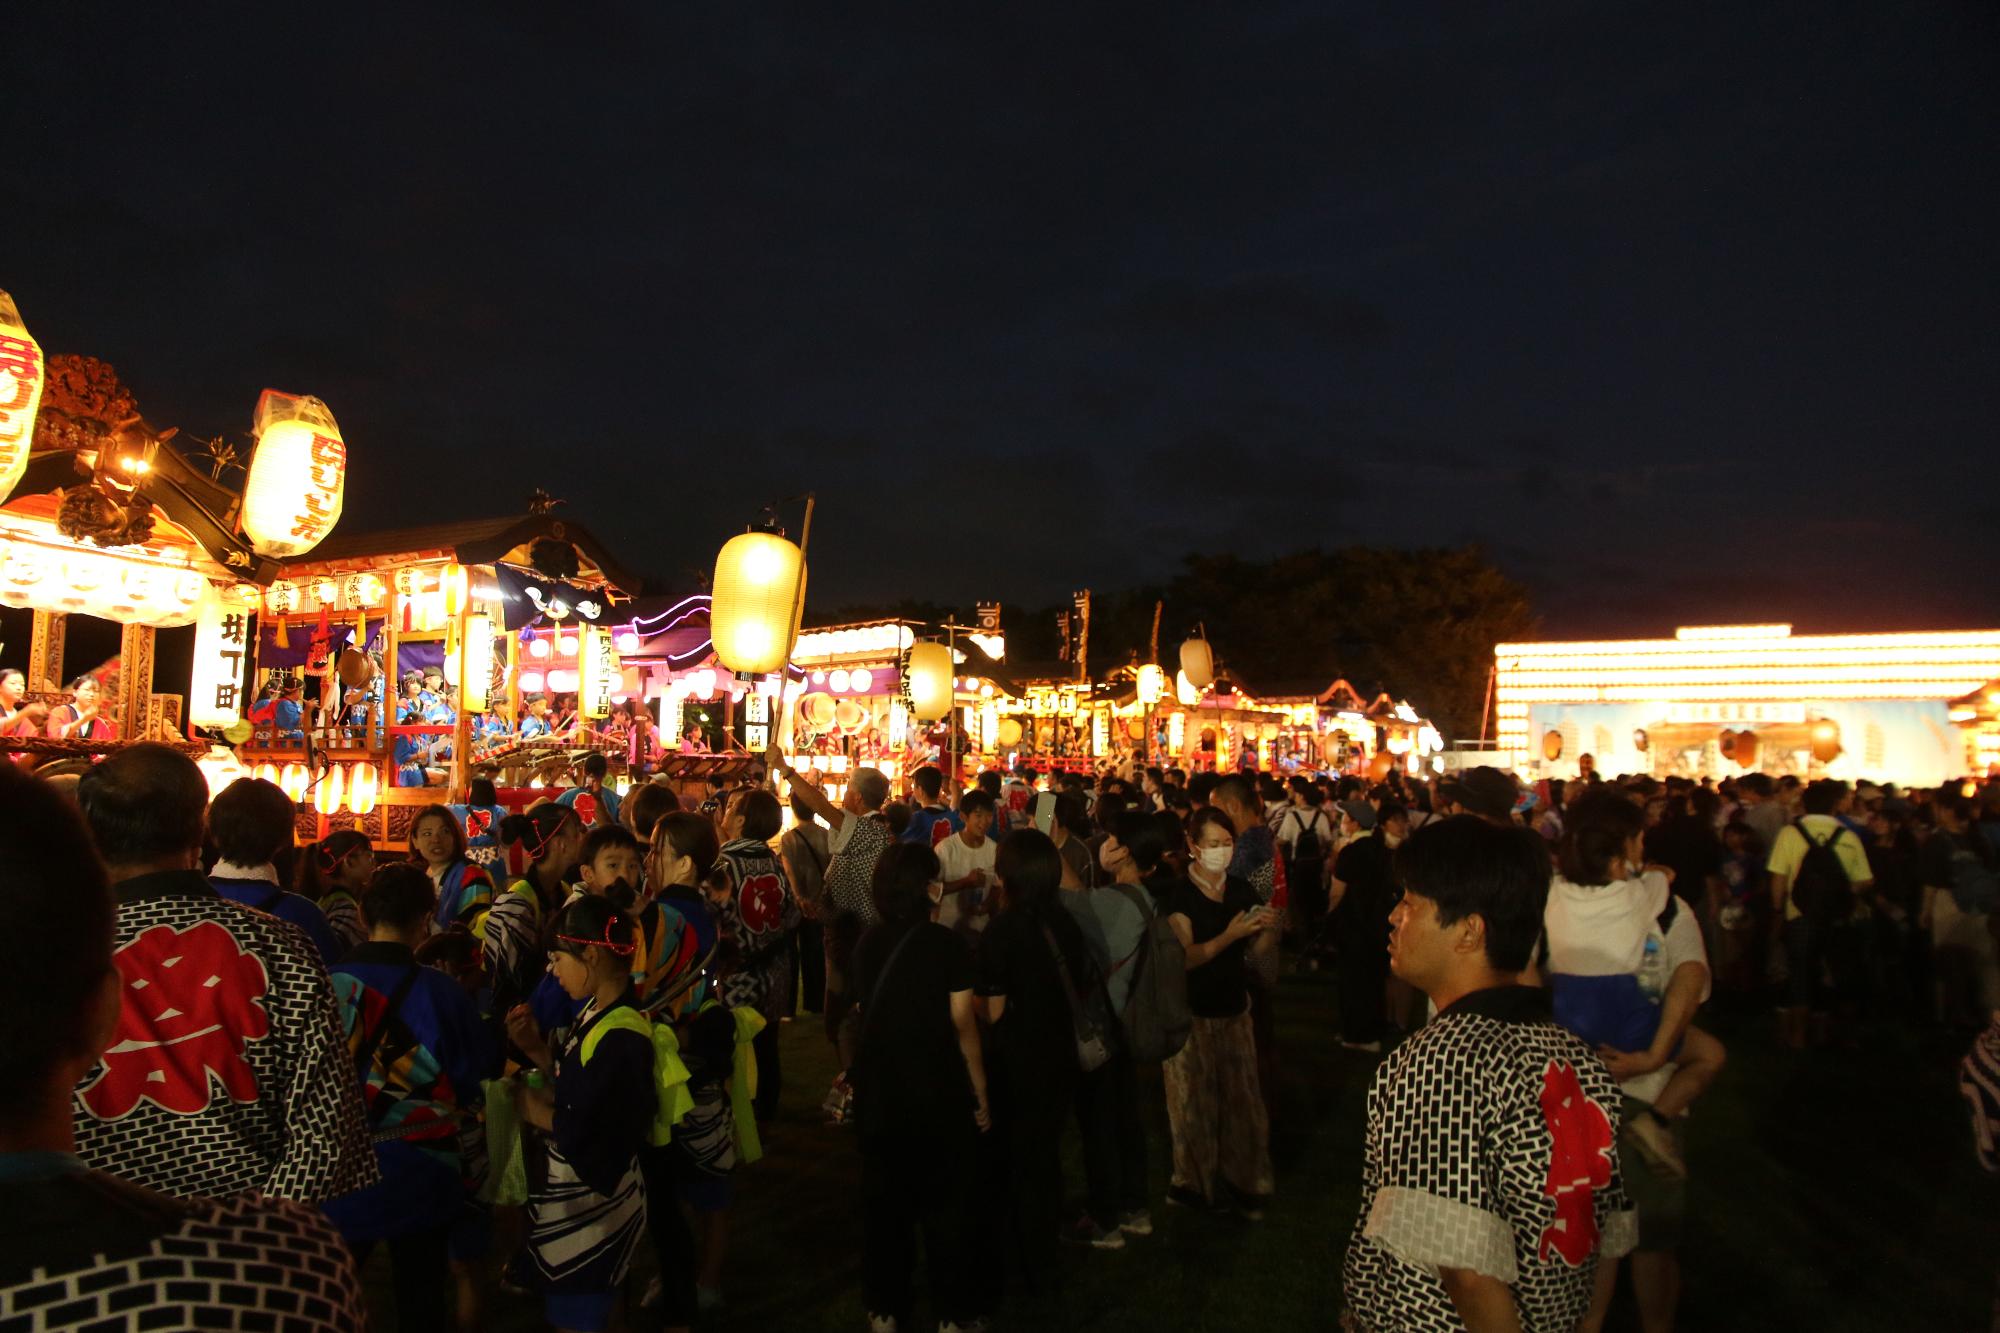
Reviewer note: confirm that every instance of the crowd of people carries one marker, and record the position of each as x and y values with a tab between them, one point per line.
530	1046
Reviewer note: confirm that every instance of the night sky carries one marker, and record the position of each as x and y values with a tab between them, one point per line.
1687	312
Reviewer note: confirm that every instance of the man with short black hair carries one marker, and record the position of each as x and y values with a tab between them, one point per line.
251	825
1491	1192
1483	791
932	821
229	1069
595	804
1819	871
80	1248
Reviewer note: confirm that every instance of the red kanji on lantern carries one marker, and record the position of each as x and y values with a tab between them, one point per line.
1580	1155
193	1005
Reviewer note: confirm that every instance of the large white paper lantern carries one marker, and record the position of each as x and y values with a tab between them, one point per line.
1152	684
292	495
21	377
758	595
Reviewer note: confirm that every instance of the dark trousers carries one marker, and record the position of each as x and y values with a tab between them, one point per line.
809	967
674	1251
1114	1140
770	1078
420	1263
915	1185
1264	1031
1020	1181
1360	976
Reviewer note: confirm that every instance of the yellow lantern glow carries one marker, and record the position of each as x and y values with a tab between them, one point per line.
456	586
326	592
1186	690
363	787
759	595
294	780
1152	683
1826	740
21	376
1010	731
219	767
1198	663
330	792
478	654
849	716
597	673
266	772
930	681
292	493
283	597
1552	744
818	709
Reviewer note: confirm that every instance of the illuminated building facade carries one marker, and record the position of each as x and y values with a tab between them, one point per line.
1721	699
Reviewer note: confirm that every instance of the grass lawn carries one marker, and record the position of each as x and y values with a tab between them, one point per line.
1830	1192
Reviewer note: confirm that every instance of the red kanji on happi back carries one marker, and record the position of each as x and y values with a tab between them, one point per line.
1580	1155
194	1000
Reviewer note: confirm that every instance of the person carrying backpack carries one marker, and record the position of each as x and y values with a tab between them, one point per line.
1126	937
1305	835
1961	891
1819	870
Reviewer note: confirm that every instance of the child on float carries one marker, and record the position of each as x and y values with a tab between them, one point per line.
464	888
333	872
594	1108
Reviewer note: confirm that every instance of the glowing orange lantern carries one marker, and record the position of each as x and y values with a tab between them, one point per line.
759	595
930	681
292	495
21	375
294	780
819	710
331	790
1198	663
456	586
362	788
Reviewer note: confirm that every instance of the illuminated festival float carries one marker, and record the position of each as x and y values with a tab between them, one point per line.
1718	700
106	516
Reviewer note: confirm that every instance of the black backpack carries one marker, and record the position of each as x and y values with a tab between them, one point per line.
1821	890
1307	847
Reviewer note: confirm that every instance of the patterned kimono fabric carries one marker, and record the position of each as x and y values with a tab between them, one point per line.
580	1239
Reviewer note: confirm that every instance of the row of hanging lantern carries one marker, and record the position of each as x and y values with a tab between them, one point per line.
94	583
353	787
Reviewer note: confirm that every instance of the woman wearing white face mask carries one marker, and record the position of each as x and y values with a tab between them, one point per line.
1222	1154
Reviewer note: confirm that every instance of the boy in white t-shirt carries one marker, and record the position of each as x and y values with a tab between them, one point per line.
965	866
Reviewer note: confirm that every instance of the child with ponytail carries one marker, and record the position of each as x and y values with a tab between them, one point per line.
333	872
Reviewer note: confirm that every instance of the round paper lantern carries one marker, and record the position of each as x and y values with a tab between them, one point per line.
298	475
818	709
759	594
538	647
21	376
839	681
1010	731
1745	751
1198	663
1135	729
1826	740
1186	690
265	772
532	682
930	681
363	787
1552	744
1152	684
849	716
220	767
294	780
860	680
1380	766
